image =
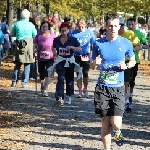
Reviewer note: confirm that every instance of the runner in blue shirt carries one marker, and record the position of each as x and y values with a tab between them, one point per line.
109	97
1	45
6	32
85	37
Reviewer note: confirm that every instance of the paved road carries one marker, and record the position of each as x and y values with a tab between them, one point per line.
37	123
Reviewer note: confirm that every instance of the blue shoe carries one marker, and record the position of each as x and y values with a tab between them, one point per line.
119	138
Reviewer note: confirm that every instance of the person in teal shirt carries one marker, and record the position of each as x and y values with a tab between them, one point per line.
24	31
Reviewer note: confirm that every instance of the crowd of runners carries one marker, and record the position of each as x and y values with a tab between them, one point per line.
78	46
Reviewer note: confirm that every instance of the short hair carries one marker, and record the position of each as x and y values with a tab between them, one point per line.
131	19
73	25
4	19
43	22
81	21
111	17
25	14
64	24
67	19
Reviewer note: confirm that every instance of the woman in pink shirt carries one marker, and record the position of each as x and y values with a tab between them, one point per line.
43	43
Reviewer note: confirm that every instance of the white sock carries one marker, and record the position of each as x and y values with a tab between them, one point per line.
116	132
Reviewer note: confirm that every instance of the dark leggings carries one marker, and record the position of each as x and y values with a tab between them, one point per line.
134	71
64	73
43	66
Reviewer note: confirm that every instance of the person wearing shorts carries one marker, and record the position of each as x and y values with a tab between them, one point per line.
85	37
130	35
109	98
131	23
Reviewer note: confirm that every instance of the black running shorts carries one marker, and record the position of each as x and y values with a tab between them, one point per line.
127	75
109	101
84	64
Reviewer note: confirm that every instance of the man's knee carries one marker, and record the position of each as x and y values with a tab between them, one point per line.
116	122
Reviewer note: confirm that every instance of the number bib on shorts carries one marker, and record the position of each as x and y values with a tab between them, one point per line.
64	52
45	55
109	77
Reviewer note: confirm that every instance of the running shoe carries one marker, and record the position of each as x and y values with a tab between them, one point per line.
119	138
13	84
60	102
85	92
68	100
44	93
79	95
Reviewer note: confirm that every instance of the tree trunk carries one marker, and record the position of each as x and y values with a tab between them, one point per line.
10	13
146	17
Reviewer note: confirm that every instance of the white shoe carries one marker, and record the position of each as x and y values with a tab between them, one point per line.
44	93
68	100
86	94
79	95
60	102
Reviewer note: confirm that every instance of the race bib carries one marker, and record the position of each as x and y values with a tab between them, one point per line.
85	58
109	77
64	52
45	55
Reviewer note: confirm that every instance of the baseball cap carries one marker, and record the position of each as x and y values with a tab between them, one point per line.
121	20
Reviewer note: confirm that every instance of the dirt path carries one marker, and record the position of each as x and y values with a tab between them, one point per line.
30	122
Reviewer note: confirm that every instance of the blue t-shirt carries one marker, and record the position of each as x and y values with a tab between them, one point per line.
61	48
111	54
4	28
85	39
